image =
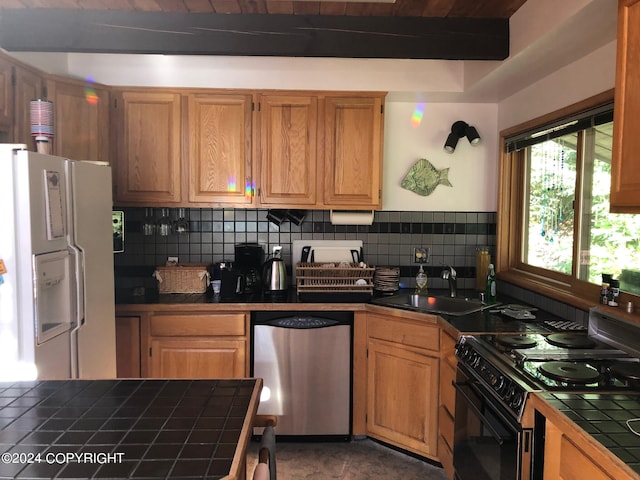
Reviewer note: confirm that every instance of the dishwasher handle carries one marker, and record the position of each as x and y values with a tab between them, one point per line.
302	322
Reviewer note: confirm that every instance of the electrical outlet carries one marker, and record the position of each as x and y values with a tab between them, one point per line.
172	261
421	254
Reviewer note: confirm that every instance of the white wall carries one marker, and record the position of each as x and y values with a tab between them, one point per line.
284	73
472	169
584	78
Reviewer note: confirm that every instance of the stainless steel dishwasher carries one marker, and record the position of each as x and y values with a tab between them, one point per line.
305	360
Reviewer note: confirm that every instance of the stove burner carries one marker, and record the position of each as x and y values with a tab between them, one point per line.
626	371
569	372
516	341
570	340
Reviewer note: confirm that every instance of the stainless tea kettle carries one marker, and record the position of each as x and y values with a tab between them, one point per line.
274	273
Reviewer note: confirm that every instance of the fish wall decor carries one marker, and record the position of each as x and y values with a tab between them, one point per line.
423	178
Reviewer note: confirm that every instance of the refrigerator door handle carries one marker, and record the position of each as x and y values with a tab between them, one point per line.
78	261
78	266
73	337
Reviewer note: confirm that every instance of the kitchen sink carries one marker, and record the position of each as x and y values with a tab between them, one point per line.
456	306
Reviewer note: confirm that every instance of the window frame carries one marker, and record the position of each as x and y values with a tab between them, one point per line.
510	218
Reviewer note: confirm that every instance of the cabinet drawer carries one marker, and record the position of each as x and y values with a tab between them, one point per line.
449	350
421	336
446	457
198	324
447	390
445	425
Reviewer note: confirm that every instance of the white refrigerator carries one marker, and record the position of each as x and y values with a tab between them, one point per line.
57	312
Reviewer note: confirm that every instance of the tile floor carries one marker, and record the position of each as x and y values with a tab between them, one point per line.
360	459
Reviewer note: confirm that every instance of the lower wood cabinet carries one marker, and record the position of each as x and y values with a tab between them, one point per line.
128	347
570	453
197	345
565	460
197	357
446	410
402	383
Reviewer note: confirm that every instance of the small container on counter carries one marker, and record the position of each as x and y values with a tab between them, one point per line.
614	293
483	259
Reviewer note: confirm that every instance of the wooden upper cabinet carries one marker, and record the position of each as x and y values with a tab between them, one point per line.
353	129
288	150
148	159
220	148
29	85
6	100
81	119
625	164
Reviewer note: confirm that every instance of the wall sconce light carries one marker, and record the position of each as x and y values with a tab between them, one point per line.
461	129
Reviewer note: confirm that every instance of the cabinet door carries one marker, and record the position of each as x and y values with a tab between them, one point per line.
6	100
29	86
220	149
128	347
81	120
197	358
625	168
402	397
147	167
288	150
563	460
353	152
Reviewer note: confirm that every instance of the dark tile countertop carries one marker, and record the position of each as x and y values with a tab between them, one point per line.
604	416
487	321
153	429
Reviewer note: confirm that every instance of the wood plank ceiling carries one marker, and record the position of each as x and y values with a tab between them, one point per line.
425	29
401	8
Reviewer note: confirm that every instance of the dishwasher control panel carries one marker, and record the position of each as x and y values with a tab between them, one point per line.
302	322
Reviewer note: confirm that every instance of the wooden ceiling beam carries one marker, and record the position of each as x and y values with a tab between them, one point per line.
109	31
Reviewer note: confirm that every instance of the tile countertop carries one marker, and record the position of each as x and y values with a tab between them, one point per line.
481	322
603	416
153	429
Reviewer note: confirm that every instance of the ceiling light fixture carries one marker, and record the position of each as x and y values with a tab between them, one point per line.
461	129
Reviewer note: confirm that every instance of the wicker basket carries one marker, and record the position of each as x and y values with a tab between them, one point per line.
334	278
182	279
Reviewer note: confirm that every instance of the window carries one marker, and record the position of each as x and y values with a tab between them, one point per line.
555	232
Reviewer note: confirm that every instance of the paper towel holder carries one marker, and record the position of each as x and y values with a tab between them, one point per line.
351	217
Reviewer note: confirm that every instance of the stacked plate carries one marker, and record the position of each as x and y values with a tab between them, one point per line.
386	279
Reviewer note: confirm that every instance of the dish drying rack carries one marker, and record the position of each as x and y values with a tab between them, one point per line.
349	279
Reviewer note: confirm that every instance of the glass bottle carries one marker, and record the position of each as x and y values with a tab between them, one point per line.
483	259
181	225
421	282
490	292
149	222
164	223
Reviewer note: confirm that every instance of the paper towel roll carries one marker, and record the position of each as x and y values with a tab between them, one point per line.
351	217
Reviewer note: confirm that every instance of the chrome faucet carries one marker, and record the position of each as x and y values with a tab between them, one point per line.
449	273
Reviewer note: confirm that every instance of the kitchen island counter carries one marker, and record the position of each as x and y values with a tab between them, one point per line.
594	424
127	428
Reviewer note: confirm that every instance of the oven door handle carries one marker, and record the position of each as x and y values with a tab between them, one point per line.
477	411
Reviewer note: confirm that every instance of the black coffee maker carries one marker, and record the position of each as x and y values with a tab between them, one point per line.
249	258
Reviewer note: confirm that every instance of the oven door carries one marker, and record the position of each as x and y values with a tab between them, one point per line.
489	444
